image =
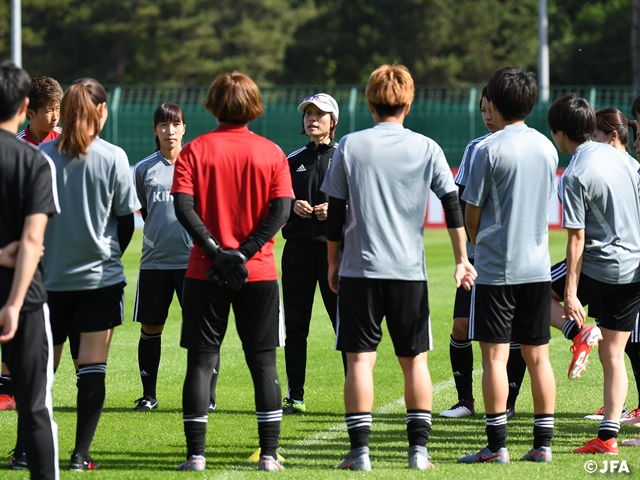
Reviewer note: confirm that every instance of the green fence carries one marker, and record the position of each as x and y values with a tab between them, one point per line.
448	114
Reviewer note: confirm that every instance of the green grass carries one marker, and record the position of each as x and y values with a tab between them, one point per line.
150	445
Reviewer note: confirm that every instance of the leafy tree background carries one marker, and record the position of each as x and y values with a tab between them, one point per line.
319	42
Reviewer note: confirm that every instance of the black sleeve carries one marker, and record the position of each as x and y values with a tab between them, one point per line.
452	211
336	216
192	223
278	215
126	227
144	213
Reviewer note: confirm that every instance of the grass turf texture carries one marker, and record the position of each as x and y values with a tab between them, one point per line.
150	445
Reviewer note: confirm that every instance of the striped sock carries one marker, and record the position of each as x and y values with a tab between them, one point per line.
91	393
195	431
359	428
418	427
496	431
543	426
570	329
608	429
269	431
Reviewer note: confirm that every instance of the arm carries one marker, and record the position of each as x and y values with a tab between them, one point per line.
464	274
335	225
8	255
573	309
472	219
279	209
27	260
126	227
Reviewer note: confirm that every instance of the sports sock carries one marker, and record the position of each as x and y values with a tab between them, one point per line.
496	431
149	351
570	329
91	394
543	426
195	399
516	368
633	352
359	428
268	397
608	429
461	354
418	427
214	381
6	385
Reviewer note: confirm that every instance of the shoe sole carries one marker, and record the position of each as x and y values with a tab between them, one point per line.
581	362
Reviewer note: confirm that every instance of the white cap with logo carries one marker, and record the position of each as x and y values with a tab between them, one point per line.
323	101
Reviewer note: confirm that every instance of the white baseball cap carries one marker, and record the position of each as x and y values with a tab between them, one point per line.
323	101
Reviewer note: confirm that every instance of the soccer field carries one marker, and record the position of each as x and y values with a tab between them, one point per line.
149	445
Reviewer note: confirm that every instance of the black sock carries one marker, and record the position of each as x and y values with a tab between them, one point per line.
543	426
570	329
608	429
496	431
418	427
91	394
268	397
195	399
633	352
214	381
359	428
6	385
461	354
516	368
149	350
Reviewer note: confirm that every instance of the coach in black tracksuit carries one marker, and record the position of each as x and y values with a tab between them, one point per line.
304	260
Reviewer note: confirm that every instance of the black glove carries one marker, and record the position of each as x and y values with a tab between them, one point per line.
228	269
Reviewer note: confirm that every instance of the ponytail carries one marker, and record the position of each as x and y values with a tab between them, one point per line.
80	116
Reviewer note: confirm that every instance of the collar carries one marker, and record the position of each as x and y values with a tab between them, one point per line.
323	147
227	127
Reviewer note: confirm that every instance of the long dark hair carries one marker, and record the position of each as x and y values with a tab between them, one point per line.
167	112
79	111
611	119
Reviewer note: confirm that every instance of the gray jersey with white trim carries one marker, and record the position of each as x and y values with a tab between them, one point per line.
81	244
600	191
385	174
512	178
166	245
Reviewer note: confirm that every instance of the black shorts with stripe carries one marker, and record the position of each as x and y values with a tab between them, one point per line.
362	304
84	311
205	315
154	294
615	306
511	313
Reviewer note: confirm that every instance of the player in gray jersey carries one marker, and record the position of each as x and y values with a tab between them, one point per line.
83	271
382	272
460	347
166	246
601	213
510	183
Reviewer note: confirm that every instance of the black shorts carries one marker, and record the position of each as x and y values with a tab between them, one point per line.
205	315
616	306
505	313
154	295
363	302
462	303
85	311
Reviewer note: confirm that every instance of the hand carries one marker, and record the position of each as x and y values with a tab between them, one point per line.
9	254
573	310
228	269
9	317
321	211
334	277
302	208
465	275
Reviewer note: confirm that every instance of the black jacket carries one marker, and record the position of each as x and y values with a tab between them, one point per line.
308	168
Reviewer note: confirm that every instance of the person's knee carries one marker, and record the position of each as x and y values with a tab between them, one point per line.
152	329
460	330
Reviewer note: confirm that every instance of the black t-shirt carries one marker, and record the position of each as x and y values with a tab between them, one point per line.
27	187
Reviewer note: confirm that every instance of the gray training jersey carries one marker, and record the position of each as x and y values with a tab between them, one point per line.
81	244
600	195
385	173
166	244
512	179
463	174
